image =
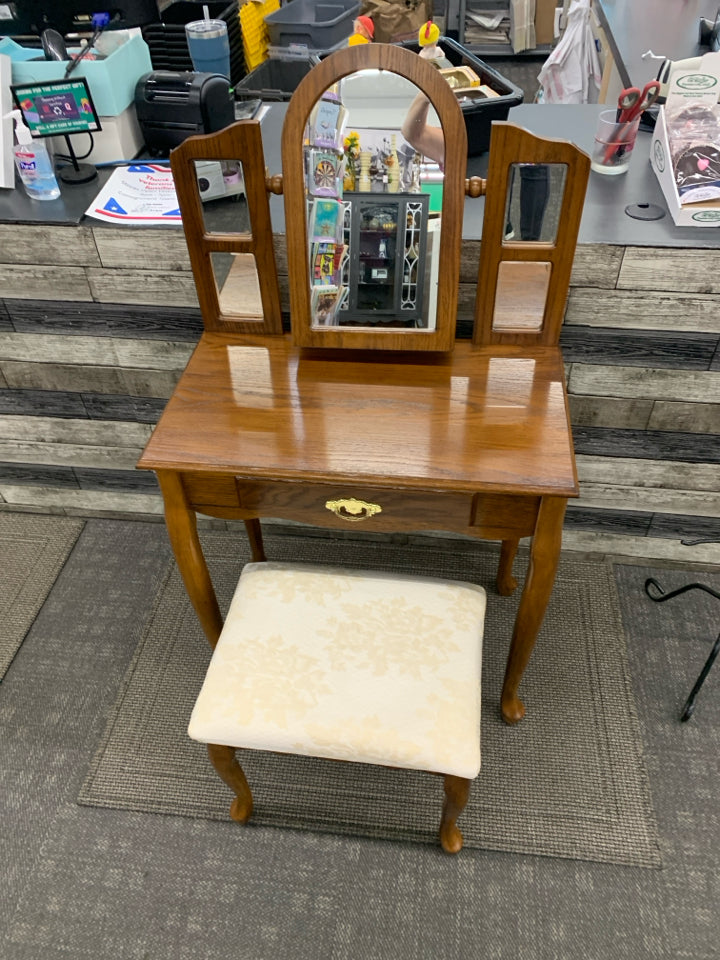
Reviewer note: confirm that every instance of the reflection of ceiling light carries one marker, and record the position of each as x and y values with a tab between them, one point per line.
371	71
396	80
509	376
459	390
250	376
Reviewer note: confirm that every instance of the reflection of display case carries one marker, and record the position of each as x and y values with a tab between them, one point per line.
387	236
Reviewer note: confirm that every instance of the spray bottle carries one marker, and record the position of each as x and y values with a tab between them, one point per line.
33	162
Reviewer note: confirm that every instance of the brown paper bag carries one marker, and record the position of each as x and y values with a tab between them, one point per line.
397	20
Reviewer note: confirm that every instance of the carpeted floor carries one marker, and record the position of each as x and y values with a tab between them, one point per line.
33	550
579	787
81	883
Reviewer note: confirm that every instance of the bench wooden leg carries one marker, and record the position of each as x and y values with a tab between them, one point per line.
223	759
457	791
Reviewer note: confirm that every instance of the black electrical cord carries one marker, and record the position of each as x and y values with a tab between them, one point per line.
69	159
100	21
83	53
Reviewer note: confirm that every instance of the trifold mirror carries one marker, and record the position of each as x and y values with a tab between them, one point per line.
374	202
233	275
534	196
532	215
534	199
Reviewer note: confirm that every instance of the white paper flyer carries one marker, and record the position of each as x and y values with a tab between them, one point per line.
142	194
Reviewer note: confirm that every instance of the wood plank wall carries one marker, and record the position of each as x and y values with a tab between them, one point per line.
96	324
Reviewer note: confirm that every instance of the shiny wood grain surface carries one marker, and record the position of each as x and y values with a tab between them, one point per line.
481	418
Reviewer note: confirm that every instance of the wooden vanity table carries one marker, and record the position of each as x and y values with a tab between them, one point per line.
391	430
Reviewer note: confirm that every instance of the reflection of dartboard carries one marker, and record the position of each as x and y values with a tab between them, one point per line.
325	174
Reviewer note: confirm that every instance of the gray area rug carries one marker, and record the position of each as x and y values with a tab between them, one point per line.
32	552
569	781
89	883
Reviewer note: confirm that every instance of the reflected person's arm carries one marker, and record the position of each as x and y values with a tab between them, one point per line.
419	134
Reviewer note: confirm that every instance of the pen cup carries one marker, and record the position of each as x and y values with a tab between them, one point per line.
613	144
209	46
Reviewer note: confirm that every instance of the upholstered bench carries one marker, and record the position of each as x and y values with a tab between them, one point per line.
349	665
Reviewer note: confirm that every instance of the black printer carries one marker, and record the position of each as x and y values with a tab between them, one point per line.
173	106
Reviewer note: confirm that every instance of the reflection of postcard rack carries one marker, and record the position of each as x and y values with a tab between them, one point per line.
324	172
327	122
327	247
325	302
325	263
325	220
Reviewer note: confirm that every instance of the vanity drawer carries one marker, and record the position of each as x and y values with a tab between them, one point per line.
205	489
331	505
494	516
504	515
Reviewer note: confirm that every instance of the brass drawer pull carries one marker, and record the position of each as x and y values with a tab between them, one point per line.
353	510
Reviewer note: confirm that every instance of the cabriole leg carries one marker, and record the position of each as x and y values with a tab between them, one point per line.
229	770
505	581
457	791
544	557
181	525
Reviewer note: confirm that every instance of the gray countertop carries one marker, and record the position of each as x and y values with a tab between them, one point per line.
604	218
670	28
69	208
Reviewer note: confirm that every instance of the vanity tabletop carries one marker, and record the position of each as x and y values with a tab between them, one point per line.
479	418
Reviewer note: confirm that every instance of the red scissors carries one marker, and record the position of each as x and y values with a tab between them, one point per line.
632	101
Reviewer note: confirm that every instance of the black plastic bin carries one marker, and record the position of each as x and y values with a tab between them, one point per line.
168	44
480	115
275	79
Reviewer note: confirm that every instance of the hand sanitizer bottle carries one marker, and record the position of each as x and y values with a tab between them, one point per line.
33	162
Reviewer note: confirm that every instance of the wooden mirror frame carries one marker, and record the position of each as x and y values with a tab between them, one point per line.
426	78
510	145
259	310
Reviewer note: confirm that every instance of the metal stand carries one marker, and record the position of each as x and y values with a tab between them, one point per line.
78	172
659	596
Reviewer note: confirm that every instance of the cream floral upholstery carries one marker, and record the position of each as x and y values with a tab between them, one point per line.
369	667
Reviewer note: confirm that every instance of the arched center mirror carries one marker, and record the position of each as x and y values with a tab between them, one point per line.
374	152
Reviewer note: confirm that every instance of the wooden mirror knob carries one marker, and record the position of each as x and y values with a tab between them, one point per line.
475	187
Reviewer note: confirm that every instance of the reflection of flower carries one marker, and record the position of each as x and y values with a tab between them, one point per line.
352	152
352	144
